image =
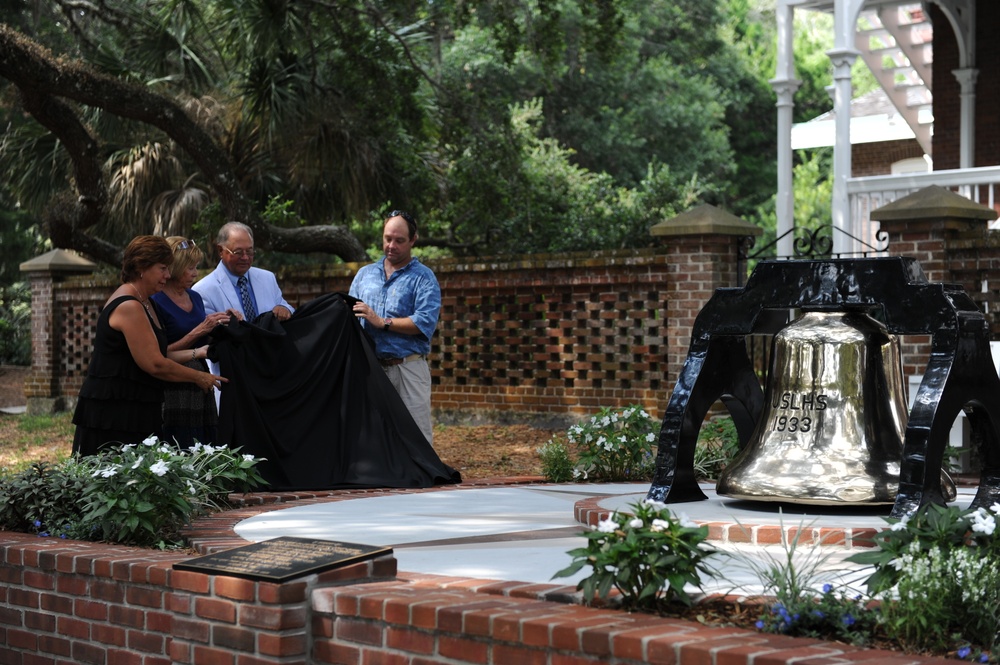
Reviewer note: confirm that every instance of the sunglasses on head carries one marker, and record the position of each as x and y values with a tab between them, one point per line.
405	215
186	244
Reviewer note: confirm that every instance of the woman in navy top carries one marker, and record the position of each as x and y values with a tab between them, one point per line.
189	415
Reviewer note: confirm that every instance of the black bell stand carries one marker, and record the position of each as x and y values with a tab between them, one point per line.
960	373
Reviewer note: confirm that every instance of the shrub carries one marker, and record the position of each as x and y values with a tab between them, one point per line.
718	444
937	576
133	495
649	556
614	445
43	499
557	464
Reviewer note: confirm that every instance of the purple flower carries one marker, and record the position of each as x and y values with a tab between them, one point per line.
827	588
964	652
760	624
848	620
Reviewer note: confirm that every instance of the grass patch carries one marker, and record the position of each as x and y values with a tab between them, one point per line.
26	439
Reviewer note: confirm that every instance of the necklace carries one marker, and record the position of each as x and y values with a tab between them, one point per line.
144	303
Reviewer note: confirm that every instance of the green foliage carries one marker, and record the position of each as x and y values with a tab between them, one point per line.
133	495
937	575
615	445
20	241
15	324
508	128
835	613
647	554
43	499
718	444
804	605
557	463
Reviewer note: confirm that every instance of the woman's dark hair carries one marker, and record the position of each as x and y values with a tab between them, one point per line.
144	252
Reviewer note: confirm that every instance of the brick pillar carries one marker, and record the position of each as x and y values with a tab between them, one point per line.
702	248
43	272
920	226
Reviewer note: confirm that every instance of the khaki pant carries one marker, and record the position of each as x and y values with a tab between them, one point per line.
412	380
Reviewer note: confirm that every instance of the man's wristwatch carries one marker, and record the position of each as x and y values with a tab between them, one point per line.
388	324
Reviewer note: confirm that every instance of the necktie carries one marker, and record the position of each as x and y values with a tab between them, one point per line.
249	311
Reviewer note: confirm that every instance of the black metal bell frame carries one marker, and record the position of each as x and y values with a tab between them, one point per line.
960	374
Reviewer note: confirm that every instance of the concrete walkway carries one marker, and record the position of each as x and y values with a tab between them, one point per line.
523	533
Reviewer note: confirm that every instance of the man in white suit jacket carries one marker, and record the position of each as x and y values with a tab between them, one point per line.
220	289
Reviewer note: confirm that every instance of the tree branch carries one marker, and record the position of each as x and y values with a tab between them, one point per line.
40	77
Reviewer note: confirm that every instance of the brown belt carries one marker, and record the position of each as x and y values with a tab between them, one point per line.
390	362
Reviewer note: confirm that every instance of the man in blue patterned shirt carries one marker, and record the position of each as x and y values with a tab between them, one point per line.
400	302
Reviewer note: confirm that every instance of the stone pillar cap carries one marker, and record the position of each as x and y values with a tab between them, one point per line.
58	260
705	219
933	202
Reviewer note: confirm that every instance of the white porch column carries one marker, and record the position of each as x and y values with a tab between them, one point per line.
967	117
842	93
785	84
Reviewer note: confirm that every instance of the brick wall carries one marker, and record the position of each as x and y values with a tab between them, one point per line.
869	159
546	337
65	601
536	334
947	89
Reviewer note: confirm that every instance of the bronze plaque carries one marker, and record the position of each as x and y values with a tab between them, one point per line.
282	559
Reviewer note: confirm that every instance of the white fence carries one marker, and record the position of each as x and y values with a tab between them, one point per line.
867	194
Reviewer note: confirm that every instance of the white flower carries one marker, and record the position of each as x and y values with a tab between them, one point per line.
160	468
248	458
605	421
655	505
191	488
209	449
901	524
995	508
150	440
659	525
686	521
644	414
600	441
614	417
627	413
196	448
165	449
635	523
607	526
983	522
650	437
897	563
105	473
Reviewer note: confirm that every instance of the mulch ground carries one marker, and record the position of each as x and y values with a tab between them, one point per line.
480	451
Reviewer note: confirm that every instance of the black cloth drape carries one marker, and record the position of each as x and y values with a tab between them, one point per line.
309	395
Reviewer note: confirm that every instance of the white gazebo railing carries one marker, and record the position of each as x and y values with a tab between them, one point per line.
866	194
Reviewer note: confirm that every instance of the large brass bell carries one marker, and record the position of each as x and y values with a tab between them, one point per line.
834	417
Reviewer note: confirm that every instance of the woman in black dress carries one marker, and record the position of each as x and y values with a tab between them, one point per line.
121	400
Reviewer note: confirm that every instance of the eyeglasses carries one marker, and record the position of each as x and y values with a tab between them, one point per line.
186	244
248	253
